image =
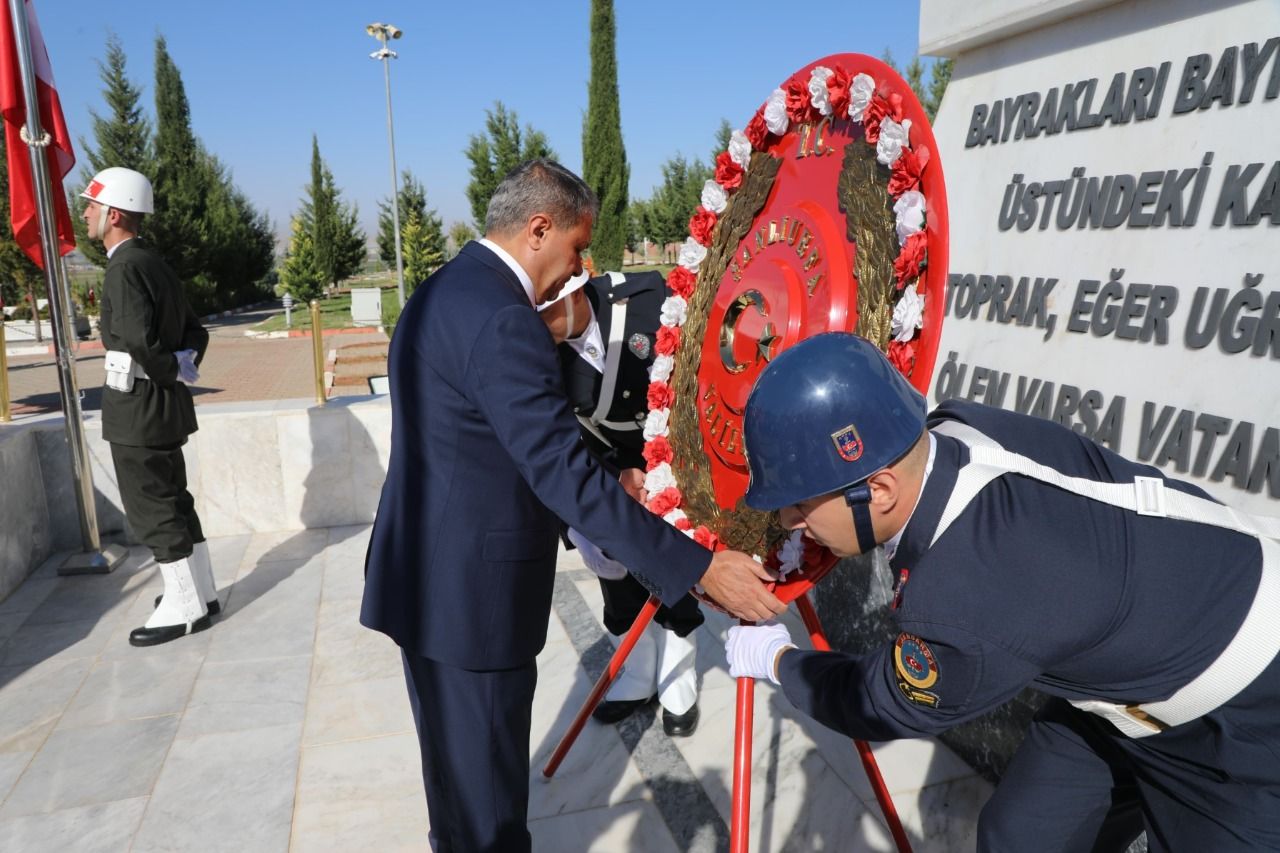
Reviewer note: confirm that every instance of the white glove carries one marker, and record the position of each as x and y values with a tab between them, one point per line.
187	365
752	649
595	560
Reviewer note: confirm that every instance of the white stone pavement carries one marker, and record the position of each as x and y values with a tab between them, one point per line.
286	727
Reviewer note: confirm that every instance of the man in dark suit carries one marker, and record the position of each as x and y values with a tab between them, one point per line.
485	460
153	343
606	328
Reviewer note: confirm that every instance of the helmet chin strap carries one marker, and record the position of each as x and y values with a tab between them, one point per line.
568	316
102	221
858	499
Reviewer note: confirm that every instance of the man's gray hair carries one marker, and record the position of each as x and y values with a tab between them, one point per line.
539	186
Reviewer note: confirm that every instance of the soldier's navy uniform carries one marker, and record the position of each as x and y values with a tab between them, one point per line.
146	314
613	432
1089	603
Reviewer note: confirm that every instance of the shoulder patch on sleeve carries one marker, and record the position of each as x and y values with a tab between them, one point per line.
916	669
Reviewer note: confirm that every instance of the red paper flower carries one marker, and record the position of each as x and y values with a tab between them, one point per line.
838	92
728	173
903	356
707	539
656	452
757	131
880	107
660	395
665	501
683	524
703	221
682	282
907	265
668	340
907	169
799	102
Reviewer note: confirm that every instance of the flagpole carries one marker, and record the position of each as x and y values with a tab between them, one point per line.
94	560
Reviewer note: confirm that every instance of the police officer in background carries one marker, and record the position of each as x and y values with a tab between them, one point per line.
154	343
605	327
1025	554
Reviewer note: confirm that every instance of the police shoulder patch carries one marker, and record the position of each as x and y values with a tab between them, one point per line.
639	344
916	669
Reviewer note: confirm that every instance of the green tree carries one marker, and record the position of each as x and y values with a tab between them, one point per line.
338	243
887	59
178	229
298	274
423	245
496	152
915	79
604	157
123	138
723	134
939	77
240	247
413	198
460	233
674	201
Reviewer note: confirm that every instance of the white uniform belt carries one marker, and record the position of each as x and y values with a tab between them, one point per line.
1257	640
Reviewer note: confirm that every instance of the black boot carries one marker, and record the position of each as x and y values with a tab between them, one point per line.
680	725
617	711
215	606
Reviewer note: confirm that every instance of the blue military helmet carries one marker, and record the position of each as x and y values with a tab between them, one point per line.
825	415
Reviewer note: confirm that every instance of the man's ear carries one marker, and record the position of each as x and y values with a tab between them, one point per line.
885	489
536	229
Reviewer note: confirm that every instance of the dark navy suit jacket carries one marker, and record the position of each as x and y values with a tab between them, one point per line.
485	458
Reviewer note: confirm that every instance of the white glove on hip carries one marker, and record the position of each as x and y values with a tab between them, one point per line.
187	365
595	560
752	649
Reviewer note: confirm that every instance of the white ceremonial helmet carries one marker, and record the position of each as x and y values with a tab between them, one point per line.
123	189
573	284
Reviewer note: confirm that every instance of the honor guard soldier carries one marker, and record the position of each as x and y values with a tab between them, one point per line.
1027	555
605	327
153	343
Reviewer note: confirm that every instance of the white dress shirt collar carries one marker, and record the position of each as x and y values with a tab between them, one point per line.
590	344
525	281
891	546
112	250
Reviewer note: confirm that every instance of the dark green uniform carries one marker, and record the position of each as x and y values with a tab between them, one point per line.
146	314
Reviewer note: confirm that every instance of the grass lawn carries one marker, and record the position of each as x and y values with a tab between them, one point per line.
335	313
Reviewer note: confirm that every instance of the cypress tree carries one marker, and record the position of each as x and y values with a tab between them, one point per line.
178	229
604	159
493	155
939	77
337	241
298	274
123	138
413	199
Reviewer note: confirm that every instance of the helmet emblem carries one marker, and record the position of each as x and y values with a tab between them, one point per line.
848	443
94	188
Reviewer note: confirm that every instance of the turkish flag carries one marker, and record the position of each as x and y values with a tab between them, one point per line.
22	193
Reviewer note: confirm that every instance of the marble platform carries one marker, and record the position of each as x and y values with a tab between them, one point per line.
286	727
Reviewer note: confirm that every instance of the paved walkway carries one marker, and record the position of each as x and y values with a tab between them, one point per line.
235	368
286	727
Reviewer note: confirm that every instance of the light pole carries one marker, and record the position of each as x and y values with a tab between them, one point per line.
382	32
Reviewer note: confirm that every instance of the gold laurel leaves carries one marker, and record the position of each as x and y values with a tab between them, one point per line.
868	210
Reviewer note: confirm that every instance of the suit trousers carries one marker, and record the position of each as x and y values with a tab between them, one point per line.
624	598
473	731
153	489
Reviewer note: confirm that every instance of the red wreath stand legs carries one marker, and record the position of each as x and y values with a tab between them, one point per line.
740	821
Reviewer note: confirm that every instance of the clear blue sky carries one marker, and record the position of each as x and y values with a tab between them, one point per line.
262	76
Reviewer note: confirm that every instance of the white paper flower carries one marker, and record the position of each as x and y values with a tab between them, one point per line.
909	210
893	139
775	112
656	423
714	197
660	478
674	516
674	311
908	315
740	149
818	89
860	92
660	370
692	255
791	554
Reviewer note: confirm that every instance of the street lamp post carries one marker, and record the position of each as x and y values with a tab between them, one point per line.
383	32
